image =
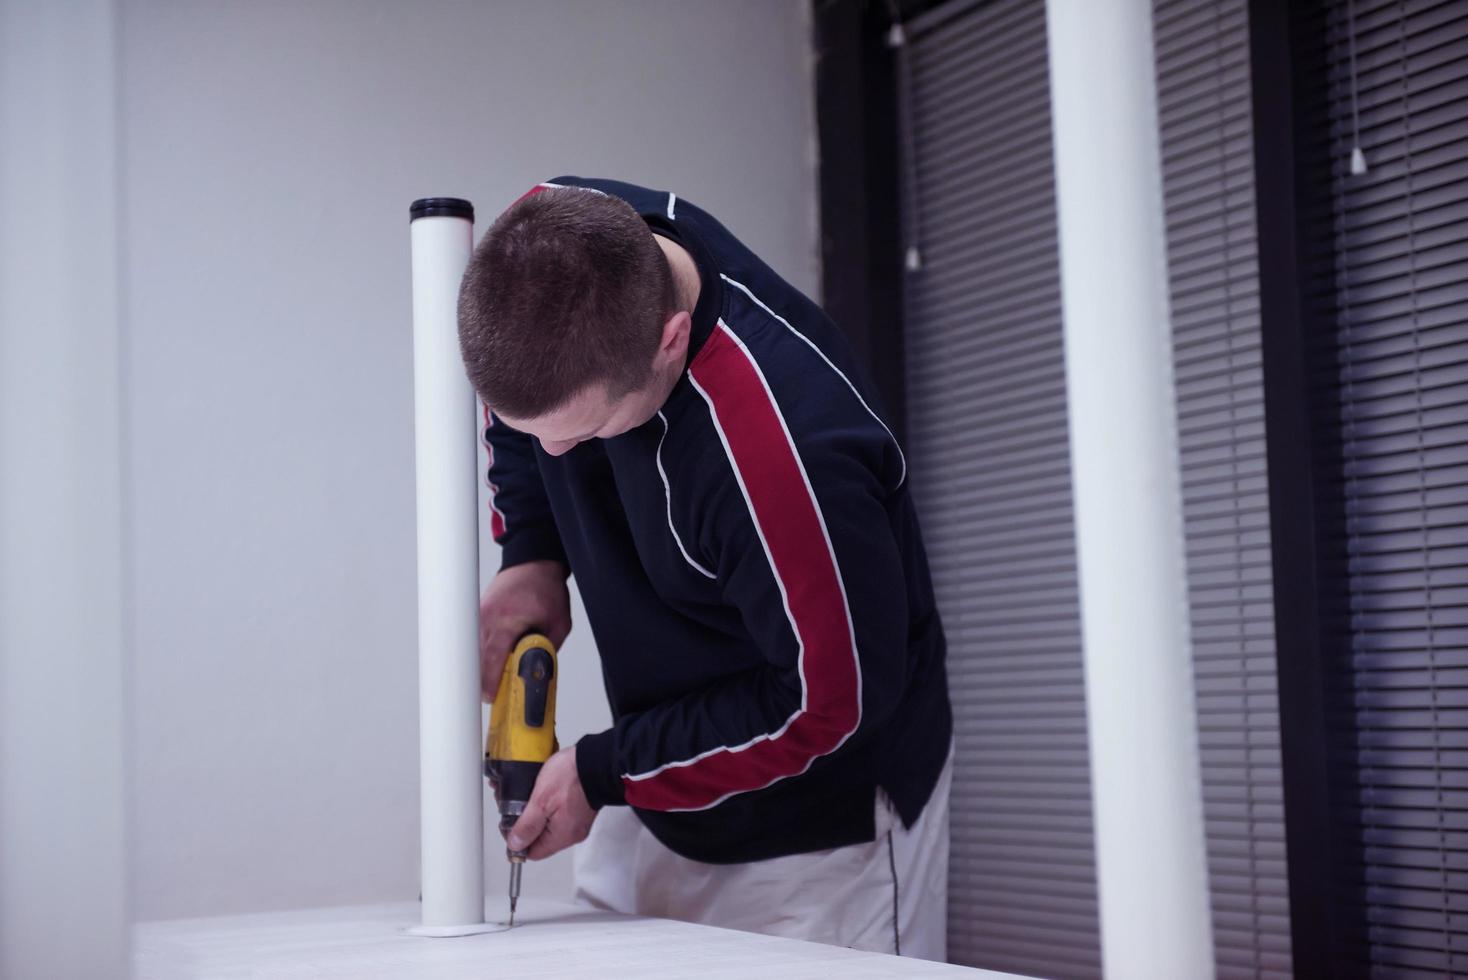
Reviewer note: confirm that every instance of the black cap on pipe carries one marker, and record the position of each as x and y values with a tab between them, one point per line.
448	207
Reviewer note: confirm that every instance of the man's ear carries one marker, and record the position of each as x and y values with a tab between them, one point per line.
673	347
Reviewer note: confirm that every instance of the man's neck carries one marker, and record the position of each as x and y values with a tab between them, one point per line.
686	281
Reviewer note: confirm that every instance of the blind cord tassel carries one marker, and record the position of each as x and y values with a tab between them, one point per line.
1358	159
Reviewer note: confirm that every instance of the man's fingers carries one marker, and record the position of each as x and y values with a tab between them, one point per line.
557	631
494	648
528	826
553	841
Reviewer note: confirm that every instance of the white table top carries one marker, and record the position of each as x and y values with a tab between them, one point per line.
550	940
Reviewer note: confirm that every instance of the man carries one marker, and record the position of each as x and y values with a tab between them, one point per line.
688	435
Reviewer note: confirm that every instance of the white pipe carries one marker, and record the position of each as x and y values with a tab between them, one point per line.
451	758
1151	866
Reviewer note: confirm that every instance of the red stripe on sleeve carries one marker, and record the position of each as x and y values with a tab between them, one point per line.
496	519
795	541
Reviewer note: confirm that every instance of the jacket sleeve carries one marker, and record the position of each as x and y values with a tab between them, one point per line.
800	543
520	519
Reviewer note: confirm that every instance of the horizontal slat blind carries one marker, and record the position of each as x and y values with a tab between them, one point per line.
991	472
1205	115
1390	385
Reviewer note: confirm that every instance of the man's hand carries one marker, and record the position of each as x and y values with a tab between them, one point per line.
557	815
532	596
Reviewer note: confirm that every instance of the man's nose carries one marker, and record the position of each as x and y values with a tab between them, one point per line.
558	448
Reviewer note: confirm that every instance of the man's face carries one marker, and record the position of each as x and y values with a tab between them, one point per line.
588	415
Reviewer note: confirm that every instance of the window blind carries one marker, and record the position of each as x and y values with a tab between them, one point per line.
1389	393
1206	126
987	444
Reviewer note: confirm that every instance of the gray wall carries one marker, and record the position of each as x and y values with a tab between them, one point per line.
270	151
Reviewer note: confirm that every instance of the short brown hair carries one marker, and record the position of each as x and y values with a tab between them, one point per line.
567	290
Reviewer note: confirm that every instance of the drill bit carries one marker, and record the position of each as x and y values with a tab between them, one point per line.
516	863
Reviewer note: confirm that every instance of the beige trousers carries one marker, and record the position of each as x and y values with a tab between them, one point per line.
887	896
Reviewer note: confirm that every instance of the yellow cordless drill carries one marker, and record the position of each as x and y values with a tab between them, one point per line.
522	735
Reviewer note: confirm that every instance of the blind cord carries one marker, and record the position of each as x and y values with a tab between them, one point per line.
912	259
1358	159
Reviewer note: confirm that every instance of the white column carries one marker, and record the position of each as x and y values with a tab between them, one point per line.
1151	865
451	755
63	657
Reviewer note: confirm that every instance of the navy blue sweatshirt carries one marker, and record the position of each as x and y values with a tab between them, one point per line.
753	573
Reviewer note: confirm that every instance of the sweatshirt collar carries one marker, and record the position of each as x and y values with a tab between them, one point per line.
710	286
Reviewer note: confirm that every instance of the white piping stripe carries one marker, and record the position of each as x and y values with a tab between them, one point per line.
760	531
489	466
672	200
745	290
682	763
784	596
784	600
820	517
494	492
574	187
668	496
